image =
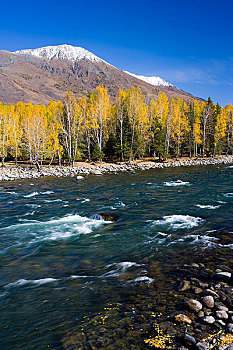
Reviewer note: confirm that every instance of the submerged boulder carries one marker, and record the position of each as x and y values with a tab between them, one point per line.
106	216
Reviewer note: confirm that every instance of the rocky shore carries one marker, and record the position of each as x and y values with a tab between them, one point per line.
208	310
197	315
83	169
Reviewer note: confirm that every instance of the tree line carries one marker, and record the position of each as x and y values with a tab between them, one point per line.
132	127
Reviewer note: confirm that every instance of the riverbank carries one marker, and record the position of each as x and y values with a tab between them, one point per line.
10	172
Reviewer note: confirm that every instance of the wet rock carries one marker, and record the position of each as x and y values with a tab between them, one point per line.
201	314
208	312
213	293
222	323
194	305
106	216
183	318
190	339
229	328
96	172
208	301
224	275
209	319
222	308
195	265
222	315
203	346
185	285
109	216
198	290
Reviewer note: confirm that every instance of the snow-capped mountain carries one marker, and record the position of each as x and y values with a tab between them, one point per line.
156	81
47	73
64	52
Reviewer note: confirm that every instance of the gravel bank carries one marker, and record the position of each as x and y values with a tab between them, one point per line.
9	174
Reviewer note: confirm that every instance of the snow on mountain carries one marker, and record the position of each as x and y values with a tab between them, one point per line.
156	81
64	52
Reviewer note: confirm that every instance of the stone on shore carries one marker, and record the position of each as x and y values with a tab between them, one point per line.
203	346
223	275
185	285
229	328
222	315
183	318
209	319
194	305
208	301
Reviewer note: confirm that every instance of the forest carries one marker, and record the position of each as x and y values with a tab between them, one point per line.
133	127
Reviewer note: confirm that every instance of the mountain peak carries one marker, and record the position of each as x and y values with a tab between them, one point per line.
156	81
64	52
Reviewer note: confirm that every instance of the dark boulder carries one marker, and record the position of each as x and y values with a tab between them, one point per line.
106	216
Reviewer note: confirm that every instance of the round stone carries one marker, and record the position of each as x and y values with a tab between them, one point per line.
208	301
194	305
222	315
209	319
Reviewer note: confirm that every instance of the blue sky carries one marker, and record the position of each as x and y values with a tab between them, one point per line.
189	43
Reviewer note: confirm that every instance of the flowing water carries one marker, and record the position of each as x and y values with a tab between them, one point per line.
60	269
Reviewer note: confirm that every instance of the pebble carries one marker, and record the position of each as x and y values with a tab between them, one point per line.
223	275
222	308
194	305
229	328
189	338
222	315
208	301
209	319
230	347
183	318
198	290
185	285
203	346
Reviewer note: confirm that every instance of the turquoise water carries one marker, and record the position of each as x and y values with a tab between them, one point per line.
58	266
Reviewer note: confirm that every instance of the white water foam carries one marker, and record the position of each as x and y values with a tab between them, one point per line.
23	282
144	279
52	200
47	192
119	268
54	229
31	194
176	183
179	221
201	206
119	204
34	206
36	193
228	195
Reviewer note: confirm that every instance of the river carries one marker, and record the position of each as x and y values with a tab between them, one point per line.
63	273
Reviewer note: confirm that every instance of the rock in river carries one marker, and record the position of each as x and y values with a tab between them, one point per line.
208	301
182	318
194	305
106	216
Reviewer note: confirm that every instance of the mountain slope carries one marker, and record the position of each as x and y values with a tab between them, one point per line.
48	73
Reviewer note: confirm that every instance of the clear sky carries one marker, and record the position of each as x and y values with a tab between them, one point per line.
187	42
